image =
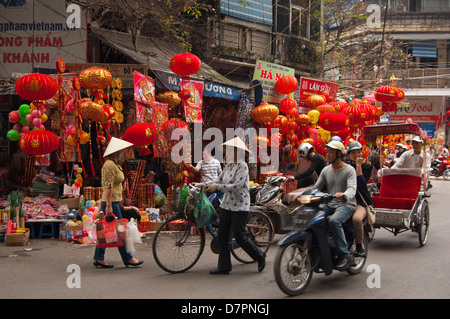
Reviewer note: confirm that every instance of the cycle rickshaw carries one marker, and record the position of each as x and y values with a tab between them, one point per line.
401	204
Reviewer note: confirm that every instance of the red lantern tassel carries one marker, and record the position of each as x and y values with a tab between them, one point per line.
84	170
92	168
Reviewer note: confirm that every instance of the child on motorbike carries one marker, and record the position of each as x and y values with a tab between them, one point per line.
340	180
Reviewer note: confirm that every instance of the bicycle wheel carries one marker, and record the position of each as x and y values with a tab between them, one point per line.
260	231
176	251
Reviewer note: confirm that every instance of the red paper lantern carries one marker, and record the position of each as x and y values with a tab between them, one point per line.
286	84
319	146
265	113
95	78
314	101
293	113
280	122
185	64
141	135
275	140
184	94
338	105
38	143
325	108
356	114
292	138
334	122
303	119
36	86
287	104
169	126
389	96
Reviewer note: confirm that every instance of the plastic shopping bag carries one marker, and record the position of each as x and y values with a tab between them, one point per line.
133	236
204	212
111	234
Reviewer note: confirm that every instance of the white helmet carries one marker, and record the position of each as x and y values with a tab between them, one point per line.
304	149
336	145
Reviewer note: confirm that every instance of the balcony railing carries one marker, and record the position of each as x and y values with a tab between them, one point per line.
423	78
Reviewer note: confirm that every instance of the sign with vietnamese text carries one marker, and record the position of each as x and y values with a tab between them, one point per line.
36	33
268	74
310	87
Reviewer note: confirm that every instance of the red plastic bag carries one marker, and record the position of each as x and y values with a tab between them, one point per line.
111	234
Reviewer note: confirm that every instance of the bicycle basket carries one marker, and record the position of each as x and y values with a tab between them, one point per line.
297	220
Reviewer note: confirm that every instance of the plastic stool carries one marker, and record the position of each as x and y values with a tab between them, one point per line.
46	229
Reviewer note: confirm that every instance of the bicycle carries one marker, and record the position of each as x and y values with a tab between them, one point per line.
178	249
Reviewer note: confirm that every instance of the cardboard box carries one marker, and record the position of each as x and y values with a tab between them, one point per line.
17	239
72	203
66	232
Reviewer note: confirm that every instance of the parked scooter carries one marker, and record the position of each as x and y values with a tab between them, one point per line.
268	199
310	246
441	167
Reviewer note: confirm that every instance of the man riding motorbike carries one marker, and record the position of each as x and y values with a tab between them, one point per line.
307	151
340	180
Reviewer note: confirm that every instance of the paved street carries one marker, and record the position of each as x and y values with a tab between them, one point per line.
39	270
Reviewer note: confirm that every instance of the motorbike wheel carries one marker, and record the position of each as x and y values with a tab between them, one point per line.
446	174
358	262
292	269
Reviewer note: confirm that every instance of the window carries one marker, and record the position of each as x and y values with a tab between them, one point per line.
291	19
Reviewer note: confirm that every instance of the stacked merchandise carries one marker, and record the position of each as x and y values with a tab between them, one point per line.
45	182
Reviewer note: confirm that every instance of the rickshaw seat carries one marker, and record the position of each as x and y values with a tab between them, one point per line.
399	188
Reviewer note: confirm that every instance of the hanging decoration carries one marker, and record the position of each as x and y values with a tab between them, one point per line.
36	87
185	64
38	143
334	122
160	116
265	113
95	79
314	101
193	103
389	96
141	135
172	99
287	84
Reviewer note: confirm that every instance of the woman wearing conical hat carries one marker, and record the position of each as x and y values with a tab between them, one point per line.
112	180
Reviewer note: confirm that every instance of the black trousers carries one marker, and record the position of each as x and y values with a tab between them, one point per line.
236	221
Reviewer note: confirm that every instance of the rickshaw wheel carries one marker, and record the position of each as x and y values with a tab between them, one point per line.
423	226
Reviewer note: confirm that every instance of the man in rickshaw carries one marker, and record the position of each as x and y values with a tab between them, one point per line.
340	180
413	158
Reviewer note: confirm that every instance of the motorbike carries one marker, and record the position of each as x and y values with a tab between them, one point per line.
309	247
440	167
268	199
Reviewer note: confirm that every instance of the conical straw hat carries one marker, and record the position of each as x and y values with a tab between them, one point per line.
115	145
238	143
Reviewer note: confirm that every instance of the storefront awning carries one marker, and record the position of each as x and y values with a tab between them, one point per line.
157	53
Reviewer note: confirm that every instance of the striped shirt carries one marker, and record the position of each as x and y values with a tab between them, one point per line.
209	171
